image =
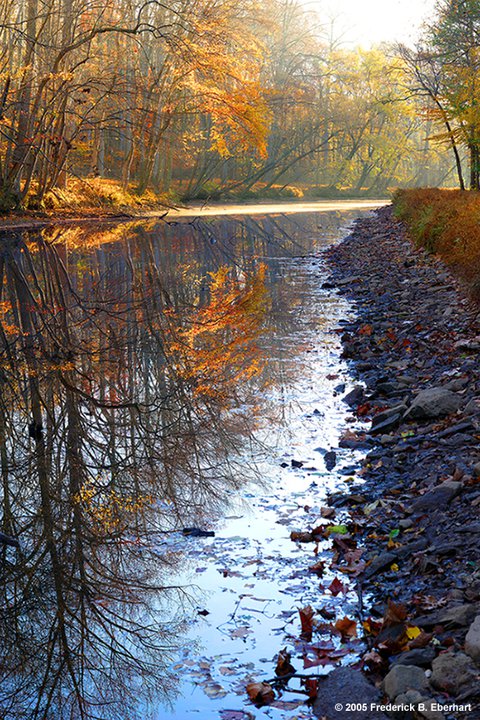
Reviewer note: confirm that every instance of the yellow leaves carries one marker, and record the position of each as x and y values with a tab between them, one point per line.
108	510
413	632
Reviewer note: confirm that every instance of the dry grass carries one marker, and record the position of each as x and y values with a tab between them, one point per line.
98	196
447	223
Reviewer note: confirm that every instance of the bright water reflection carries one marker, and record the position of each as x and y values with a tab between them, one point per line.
138	363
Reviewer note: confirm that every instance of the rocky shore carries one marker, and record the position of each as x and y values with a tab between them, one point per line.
413	349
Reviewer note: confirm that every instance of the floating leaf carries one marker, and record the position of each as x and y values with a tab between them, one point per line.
347	628
284	666
260	693
336	587
306	618
318	568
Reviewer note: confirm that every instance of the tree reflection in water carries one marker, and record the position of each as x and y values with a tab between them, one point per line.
126	359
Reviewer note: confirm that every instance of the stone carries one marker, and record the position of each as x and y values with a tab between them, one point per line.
413	697
355	396
438	497
387	423
349	280
421	657
450	671
402	678
434	402
454	616
346	685
405	700
472	407
472	641
330	459
380	562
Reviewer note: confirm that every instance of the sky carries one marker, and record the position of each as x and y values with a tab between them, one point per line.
367	22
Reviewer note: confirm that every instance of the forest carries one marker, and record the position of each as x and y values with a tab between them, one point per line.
210	98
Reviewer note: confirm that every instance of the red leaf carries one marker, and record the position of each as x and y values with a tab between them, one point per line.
306	618
336	587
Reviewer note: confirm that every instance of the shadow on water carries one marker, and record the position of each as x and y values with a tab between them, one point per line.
132	366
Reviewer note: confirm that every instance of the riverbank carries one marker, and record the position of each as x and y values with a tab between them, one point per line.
413	349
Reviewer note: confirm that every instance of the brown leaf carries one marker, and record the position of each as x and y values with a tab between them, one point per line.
311	686
301	536
284	666
347	628
396	613
336	587
260	693
306	618
318	568
327	512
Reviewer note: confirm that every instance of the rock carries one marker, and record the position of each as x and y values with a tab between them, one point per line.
355	396
406	523
451	671
413	697
385	414
330	459
388	423
438	497
296	463
342	686
350	280
454	616
421	657
402	678
472	641
434	402
406	700
472	407
380	562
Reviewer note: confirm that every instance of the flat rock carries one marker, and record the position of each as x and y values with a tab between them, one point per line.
346	685
355	396
434	402
402	678
421	657
454	616
438	497
472	641
349	280
451	671
380	562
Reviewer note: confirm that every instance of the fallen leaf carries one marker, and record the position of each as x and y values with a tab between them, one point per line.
260	693
413	632
336	587
327	512
318	568
311	686
347	628
301	536
284	666
240	632
306	618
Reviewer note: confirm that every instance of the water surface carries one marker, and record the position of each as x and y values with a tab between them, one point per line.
158	376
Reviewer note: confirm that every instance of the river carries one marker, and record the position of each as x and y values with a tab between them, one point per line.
162	375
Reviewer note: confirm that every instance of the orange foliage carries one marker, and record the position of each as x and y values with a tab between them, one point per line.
217	348
445	222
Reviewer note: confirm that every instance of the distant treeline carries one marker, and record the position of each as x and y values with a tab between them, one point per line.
205	97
